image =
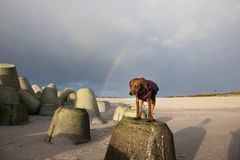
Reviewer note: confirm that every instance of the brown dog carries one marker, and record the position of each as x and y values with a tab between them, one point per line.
145	91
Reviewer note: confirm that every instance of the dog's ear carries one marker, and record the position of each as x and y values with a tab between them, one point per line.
144	82
130	83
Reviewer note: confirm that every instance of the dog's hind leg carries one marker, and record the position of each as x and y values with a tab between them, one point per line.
153	103
149	117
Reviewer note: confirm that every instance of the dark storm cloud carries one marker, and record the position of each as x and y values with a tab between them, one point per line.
185	46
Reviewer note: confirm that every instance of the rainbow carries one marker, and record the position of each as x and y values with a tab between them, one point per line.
122	53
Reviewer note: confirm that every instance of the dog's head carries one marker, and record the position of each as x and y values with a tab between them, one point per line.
137	86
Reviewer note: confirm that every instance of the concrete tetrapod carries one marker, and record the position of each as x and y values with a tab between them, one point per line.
14	114
25	85
141	140
64	95
72	97
69	125
119	112
37	89
9	76
52	85
31	102
49	96
8	95
49	101
103	106
86	99
132	113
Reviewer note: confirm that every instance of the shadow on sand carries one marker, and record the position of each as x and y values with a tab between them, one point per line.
164	119
234	147
188	140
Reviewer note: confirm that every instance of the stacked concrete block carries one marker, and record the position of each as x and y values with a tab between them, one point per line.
86	99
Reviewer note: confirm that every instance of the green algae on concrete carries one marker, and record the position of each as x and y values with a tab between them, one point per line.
31	102
9	95
141	140
25	85
15	114
9	76
47	109
69	125
19	114
5	113
49	96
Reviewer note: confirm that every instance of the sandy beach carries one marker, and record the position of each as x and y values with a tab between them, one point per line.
205	128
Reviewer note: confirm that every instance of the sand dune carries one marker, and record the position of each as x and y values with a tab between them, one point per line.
205	128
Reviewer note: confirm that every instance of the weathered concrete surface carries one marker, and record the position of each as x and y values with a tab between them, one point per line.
15	114
119	111
132	113
64	96
19	114
47	109
31	102
87	99
9	76
103	106
49	96
52	85
8	95
37	89
5	112
141	140
69	125
25	85
126	111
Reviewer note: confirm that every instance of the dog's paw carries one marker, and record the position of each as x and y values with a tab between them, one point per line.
151	120
137	118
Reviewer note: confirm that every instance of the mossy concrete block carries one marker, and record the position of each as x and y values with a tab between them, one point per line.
9	95
52	85
72	97
5	113
25	85
37	89
119	112
64	95
19	114
141	140
9	76
49	96
59	93
103	106
69	125
31	102
87	99
15	114
132	113
47	109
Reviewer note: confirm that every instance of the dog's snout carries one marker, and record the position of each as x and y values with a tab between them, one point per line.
130	93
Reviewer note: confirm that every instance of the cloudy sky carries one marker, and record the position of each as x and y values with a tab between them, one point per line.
186	46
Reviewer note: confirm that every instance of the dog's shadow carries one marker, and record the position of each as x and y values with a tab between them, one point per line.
189	140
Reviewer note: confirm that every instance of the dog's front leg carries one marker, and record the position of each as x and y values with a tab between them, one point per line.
137	108
140	108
